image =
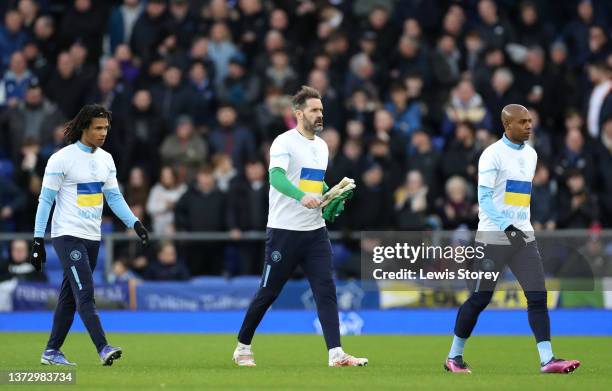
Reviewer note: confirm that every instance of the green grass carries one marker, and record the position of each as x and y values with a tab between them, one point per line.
190	361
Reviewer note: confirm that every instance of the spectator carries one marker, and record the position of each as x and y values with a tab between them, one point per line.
12	200
221	50
274	115
149	30
45	38
12	37
577	206
465	105
19	266
531	30
231	138
543	199
172	97
15	81
65	79
145	134
461	156
137	189
577	31
185	150
87	71
181	24
129	69
167	266
407	115
224	171
84	22
540	137
162	200
445	66
334	172
122	21
575	155
604	161
500	93
426	160
411	203
410	58
371	206
238	88
458	211
280	73
361	76
121	273
33	119
600	100
494	31
204	95
202	209
248	211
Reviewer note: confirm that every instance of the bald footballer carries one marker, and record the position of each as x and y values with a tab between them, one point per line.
505	172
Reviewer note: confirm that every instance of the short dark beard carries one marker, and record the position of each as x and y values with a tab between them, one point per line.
312	127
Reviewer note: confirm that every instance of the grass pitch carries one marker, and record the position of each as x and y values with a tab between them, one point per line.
284	362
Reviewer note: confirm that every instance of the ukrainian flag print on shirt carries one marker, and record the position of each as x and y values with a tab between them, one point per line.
89	194
311	180
518	193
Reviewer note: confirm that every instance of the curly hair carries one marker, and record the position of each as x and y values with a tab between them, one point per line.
73	130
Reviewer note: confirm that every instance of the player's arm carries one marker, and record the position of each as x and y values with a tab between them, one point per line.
52	181
279	180
488	169
120	208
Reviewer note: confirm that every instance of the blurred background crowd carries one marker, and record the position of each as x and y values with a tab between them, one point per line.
412	93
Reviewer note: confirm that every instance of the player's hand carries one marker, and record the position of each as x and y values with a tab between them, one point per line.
38	256
142	233
516	236
310	202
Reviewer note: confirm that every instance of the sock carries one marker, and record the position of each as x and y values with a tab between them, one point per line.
545	350
242	346
457	347
335	352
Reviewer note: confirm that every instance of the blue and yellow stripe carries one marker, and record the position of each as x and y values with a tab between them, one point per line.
518	193
89	194
311	180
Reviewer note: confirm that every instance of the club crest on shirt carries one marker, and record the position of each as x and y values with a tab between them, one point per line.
75	255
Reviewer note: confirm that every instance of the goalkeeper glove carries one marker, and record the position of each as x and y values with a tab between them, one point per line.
516	236
142	233
38	255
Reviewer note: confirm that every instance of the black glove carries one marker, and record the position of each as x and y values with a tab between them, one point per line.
38	256
516	236
142	233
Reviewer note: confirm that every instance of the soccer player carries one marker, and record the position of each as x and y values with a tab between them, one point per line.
296	232
77	177
505	172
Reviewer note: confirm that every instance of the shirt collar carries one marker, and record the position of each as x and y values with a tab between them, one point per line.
511	144
84	147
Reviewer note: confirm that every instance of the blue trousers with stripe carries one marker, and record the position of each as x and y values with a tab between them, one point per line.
526	265
78	257
285	250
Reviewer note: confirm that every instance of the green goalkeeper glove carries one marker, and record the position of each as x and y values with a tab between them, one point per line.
336	206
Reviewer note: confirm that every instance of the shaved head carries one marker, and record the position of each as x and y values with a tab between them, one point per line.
509	112
517	122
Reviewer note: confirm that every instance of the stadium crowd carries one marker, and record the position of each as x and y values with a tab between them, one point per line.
412	92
